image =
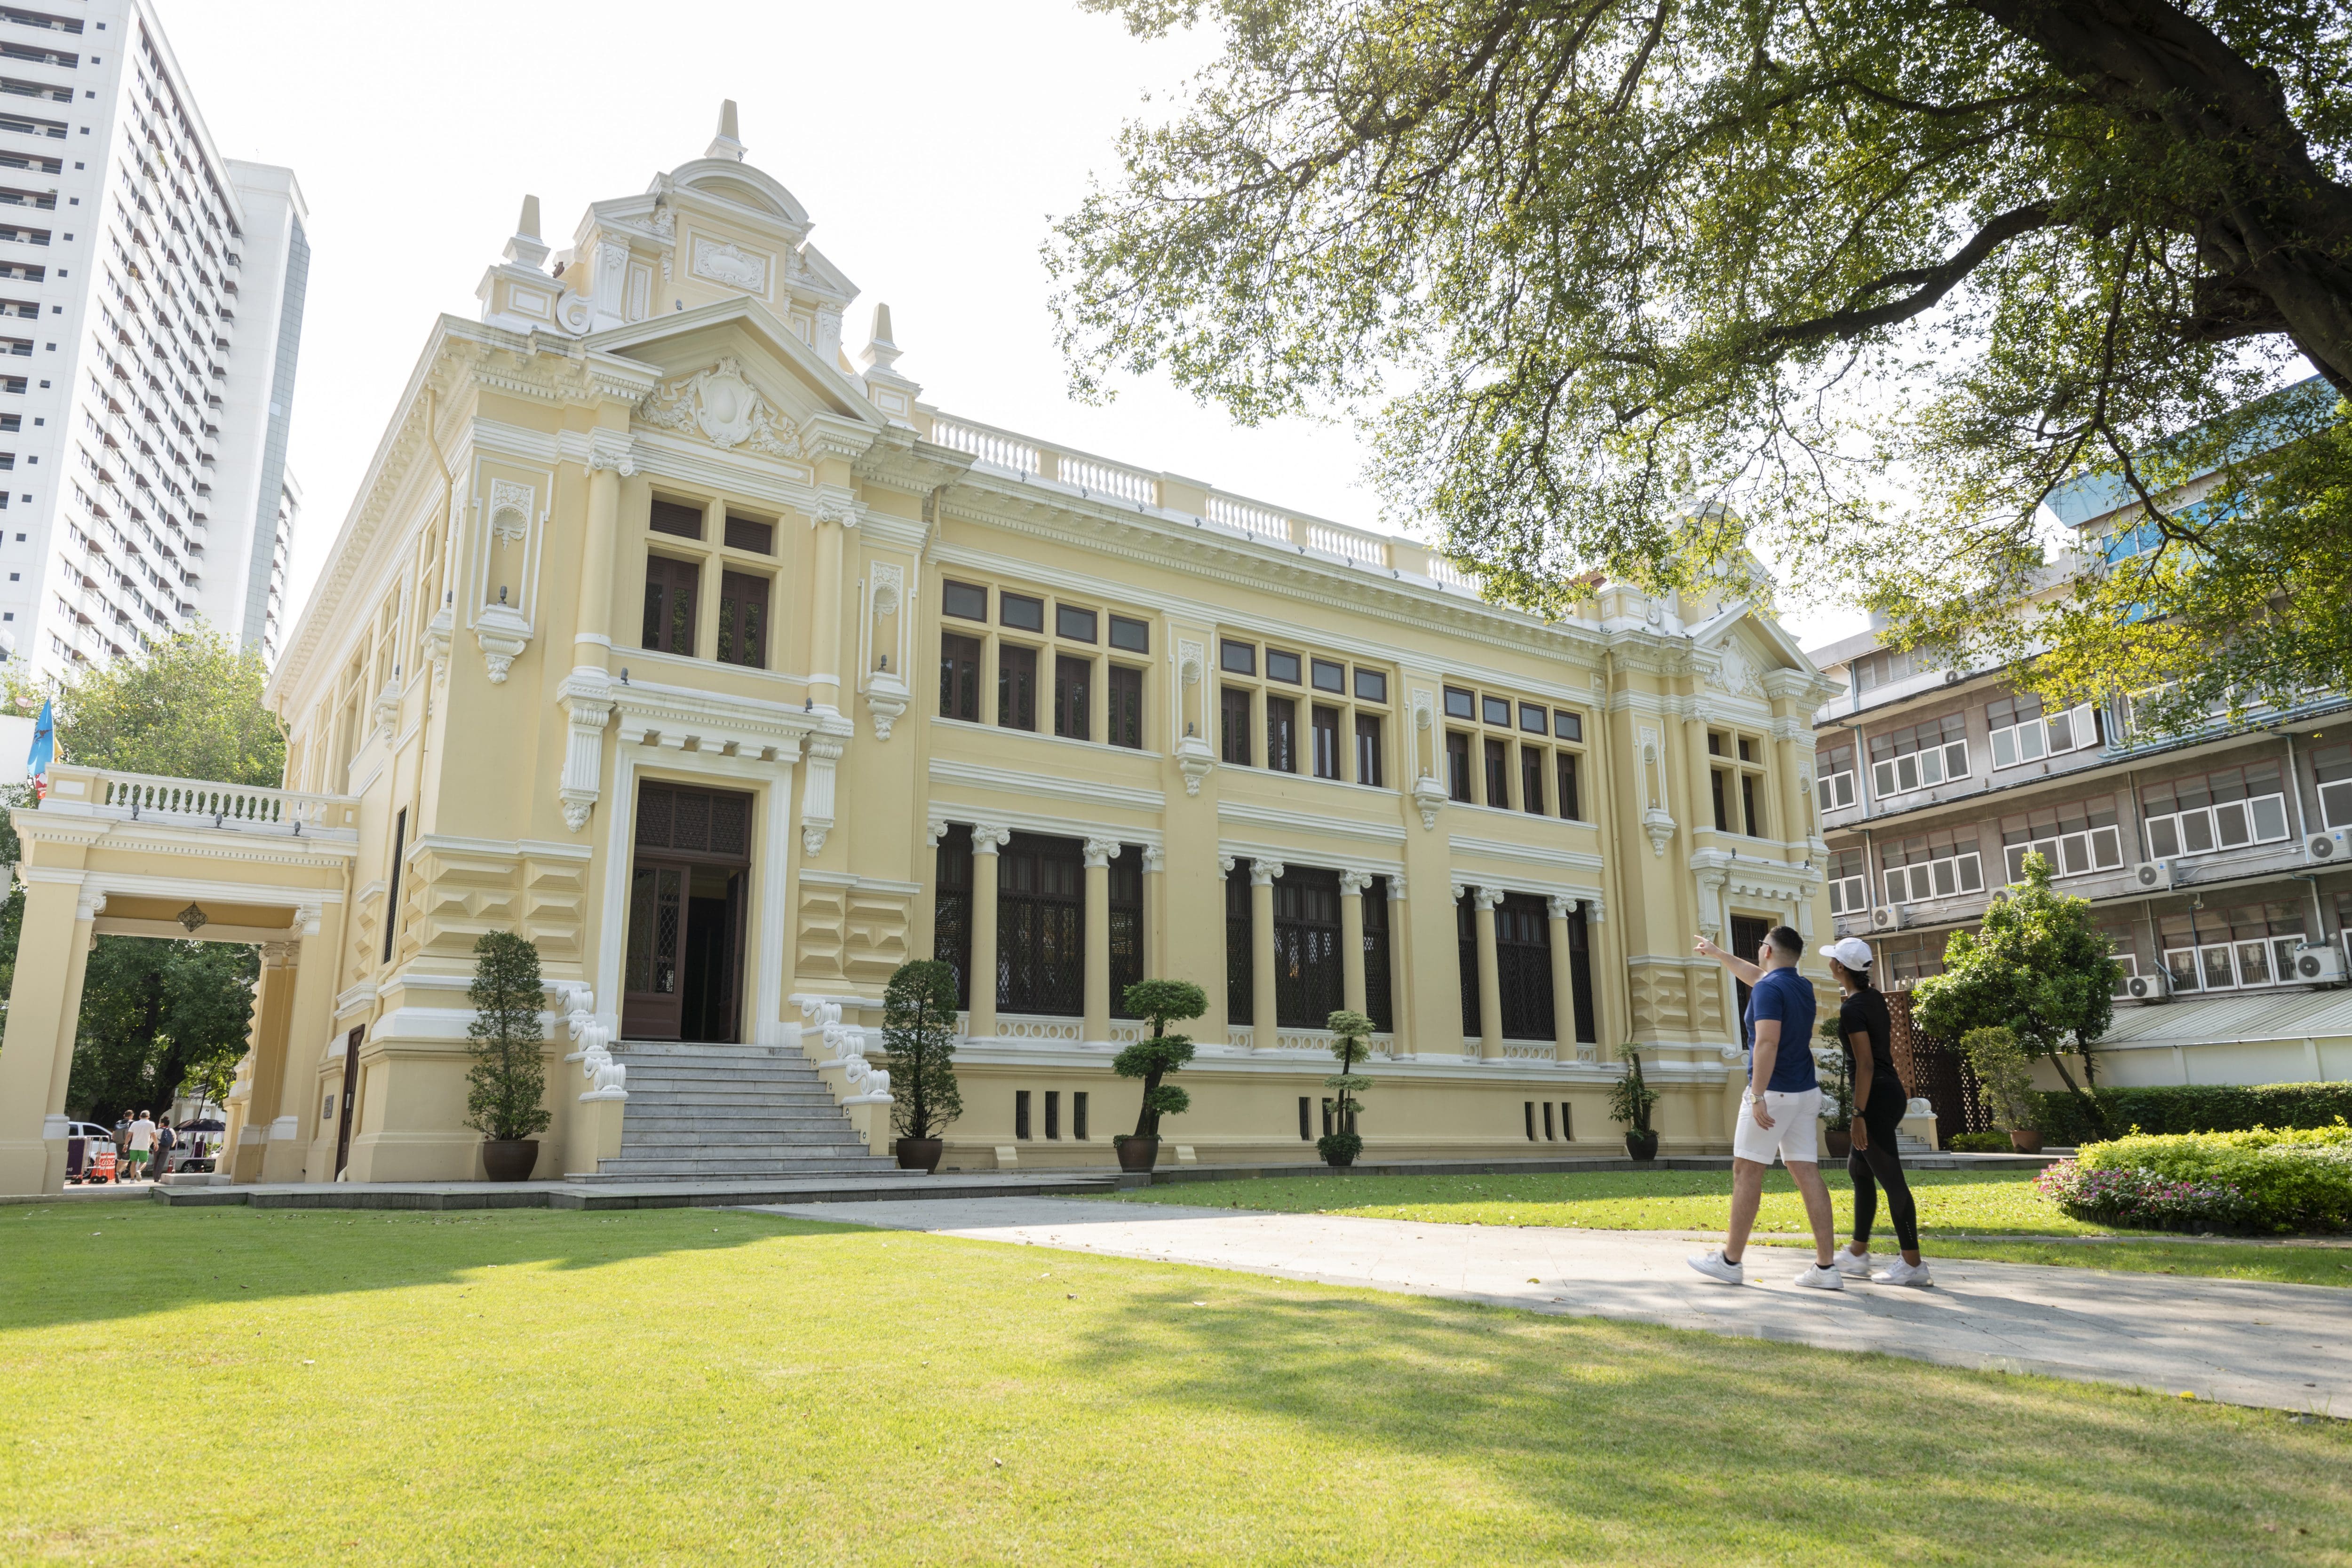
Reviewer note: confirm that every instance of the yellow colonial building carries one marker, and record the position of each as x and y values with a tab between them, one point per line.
733	674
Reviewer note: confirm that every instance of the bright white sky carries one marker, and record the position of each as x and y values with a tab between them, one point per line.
930	142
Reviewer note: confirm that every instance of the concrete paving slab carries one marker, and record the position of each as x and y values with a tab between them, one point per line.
2285	1347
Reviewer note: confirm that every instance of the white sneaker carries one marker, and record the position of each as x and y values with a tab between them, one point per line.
1712	1265
1903	1273
1817	1278
1853	1265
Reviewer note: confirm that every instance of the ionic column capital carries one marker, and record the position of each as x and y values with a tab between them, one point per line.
987	838
1265	873
1560	905
1487	897
1100	852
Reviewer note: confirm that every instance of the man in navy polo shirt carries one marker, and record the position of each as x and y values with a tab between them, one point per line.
1779	1111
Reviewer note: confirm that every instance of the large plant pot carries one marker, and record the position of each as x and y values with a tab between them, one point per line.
921	1154
2025	1140
1840	1141
1339	1149
510	1159
1137	1154
1642	1144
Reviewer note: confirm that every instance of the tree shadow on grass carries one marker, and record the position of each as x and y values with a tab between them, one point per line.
90	1264
1762	1447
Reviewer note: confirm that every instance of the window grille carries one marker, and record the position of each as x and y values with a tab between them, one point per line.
1307	974
1041	926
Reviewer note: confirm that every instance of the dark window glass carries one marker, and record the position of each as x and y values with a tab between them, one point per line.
1497	711
743	533
1241	658
1379	1005
1021	1113
951	910
1531	779
670	517
1499	774
1531	718
1078	1114
392	897
670	604
1747	750
1460	703
1580	982
1465	932
1074	683
1238	950
1570	806
1523	965
1306	1112
1713	744
1546	1110
1327	676
1282	734
1021	611
959	676
1457	764
1041	926
1281	666
1016	688
1722	803
743	619
1748	806
1078	625
1233	725
1125	716
1326	724
1126	911
1054	1114
1368	748
1130	633
965	600
1567	725
1372	686
1307	975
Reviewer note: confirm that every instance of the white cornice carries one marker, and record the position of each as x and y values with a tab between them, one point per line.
1499	849
976	776
1321	824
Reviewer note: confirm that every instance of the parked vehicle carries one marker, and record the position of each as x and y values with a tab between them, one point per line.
90	1153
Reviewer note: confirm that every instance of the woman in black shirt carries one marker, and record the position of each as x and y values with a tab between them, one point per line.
1867	1034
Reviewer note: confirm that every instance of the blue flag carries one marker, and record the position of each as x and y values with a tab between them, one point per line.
44	751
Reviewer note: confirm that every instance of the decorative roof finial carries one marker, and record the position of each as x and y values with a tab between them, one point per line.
525	247
726	145
880	351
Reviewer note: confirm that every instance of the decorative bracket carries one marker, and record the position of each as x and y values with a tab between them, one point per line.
1195	761
1428	795
387	710
583	753
503	634
886	701
816	793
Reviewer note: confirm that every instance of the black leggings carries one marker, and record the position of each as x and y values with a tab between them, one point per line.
1879	1166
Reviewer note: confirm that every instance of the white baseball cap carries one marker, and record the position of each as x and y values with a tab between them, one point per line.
1851	951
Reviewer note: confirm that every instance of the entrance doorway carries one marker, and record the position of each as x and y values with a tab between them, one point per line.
682	977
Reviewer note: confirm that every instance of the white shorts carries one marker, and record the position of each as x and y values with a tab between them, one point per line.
1793	1135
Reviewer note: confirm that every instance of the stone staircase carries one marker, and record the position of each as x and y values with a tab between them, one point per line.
730	1112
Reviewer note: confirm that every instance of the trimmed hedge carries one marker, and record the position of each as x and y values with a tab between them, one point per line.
2291	1179
2196	1108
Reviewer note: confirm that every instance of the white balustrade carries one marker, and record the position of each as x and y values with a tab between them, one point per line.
1248	516
1011	1026
1342	541
990	446
845	1047
1444	571
197	802
1528	1050
1104	478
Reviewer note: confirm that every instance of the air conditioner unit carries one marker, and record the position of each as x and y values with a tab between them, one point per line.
2331	846
2318	966
1886	919
2156	987
2152	876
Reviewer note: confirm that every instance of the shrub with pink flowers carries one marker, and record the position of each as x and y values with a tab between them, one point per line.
2143	1198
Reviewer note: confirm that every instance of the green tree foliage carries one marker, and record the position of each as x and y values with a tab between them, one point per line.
508	1077
1601	274
158	1017
2039	966
1351	1035
919	1040
1156	1055
2003	1069
1631	1098
183	706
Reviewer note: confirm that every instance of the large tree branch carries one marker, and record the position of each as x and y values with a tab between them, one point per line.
1927	285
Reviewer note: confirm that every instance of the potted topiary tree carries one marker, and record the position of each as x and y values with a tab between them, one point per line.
1152	1058
1350	1031
508	1077
918	1041
1630	1100
2006	1073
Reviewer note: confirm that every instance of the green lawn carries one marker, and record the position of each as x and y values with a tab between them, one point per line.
1958	1211
231	1386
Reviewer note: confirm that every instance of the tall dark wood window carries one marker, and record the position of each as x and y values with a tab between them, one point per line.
670	604
1074	689
1125	717
677	519
1307	975
1282	734
1125	926
1326	724
1457	766
392	895
1579	979
1568	803
1523	966
1747	812
1531	779
1016	686
1239	953
1041	926
1747	934
951	909
1499	774
742	618
747	533
1233	725
1379	1004
1722	802
1466	930
1368	749
959	676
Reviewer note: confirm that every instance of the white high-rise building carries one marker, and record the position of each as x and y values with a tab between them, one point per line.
151	313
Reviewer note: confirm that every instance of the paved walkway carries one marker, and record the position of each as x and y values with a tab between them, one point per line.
2287	1346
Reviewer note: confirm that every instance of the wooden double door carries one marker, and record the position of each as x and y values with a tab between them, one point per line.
682	975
